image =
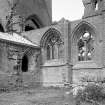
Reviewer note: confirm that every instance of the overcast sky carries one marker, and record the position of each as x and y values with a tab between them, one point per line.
69	9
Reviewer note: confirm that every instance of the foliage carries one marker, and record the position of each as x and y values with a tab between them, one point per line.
93	92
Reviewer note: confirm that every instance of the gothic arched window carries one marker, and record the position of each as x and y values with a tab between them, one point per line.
52	47
48	52
85	47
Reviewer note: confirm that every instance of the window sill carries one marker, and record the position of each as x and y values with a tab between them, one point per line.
86	65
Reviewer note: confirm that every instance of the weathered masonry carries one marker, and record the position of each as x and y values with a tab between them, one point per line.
37	52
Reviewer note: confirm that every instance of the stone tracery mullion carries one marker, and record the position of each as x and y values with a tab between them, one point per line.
53	39
84	48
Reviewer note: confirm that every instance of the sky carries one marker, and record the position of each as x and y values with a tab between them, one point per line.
69	9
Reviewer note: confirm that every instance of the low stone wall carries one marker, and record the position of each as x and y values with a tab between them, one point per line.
90	73
10	82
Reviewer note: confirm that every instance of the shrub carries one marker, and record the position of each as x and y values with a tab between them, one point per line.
92	91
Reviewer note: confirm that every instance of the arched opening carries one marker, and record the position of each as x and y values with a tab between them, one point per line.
32	23
52	45
83	43
24	64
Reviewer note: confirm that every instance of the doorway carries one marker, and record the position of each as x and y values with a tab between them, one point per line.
24	66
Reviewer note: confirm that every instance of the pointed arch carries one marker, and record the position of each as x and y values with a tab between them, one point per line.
52	44
83	46
48	34
81	27
33	22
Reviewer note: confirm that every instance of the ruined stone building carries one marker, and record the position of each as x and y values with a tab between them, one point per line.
34	51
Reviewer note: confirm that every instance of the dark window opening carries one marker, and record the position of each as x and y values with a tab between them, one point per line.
24	64
1	28
28	28
31	24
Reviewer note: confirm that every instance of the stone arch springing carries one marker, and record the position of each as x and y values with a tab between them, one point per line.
51	44
33	22
88	42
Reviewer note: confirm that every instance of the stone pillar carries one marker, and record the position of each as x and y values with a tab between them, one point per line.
67	49
60	50
51	51
44	55
19	79
56	51
103	41
66	42
4	57
33	61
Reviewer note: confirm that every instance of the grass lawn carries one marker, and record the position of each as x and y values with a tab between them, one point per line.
39	96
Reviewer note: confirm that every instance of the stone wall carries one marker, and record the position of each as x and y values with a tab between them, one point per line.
11	75
35	7
56	73
97	63
26	9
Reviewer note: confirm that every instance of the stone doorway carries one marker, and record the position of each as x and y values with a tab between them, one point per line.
24	66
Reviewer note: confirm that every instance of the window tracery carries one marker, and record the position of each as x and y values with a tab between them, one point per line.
85	47
53	47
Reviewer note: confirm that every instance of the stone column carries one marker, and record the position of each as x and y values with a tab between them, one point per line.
19	79
43	54
67	43
60	50
50	51
67	49
4	57
34	61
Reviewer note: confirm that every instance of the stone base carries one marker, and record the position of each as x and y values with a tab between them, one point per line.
56	75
